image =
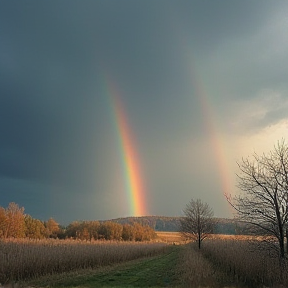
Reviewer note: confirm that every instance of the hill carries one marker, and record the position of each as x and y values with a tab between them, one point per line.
158	223
172	224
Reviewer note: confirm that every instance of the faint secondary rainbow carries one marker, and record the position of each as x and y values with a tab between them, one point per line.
217	140
218	143
129	157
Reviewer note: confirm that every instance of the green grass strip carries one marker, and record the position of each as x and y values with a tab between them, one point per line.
158	271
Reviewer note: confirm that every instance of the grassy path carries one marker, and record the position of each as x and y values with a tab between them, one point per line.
159	271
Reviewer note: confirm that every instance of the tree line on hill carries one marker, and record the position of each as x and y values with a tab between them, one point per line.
15	224
172	224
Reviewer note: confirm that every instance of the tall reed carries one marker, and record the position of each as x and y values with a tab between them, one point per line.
246	262
23	259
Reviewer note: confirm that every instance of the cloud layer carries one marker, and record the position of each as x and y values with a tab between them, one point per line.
59	154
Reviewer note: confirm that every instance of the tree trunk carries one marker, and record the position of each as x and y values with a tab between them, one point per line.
280	227
286	240
281	245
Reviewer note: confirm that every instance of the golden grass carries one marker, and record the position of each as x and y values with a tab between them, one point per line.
195	270
171	237
247	262
24	259
237	237
231	263
178	238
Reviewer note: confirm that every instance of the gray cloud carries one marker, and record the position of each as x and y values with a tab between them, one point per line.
59	144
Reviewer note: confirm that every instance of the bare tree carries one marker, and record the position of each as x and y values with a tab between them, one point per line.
262	203
197	223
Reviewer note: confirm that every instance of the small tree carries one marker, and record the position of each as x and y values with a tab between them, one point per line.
3	222
72	230
197	223
14	224
262	204
128	233
52	228
34	228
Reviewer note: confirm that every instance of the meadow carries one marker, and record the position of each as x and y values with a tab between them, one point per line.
223	261
232	262
26	259
247	261
171	237
228	261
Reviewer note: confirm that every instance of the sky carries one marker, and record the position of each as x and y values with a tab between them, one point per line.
131	108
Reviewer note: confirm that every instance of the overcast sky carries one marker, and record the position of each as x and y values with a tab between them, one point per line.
203	83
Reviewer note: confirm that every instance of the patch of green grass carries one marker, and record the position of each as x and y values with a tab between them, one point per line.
158	271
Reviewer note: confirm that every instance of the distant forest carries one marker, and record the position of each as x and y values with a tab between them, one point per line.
15	223
172	224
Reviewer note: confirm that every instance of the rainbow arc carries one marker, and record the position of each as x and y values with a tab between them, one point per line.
129	157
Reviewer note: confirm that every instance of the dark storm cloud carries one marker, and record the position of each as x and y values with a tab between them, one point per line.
56	119
44	95
52	53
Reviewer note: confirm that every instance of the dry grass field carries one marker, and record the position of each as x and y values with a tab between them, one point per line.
24	259
223	261
228	260
236	237
231	263
245	261
177	238
171	238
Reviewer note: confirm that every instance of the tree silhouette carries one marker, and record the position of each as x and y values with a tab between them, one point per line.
262	203
197	223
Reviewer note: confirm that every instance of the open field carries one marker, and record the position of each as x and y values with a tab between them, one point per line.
155	271
171	237
24	259
177	238
223	261
178	266
251	262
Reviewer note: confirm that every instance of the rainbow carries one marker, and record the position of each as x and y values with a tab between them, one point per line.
218	144
129	157
217	140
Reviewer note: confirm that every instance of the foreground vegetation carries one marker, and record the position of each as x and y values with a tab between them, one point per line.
221	262
155	271
248	262
233	262
24	259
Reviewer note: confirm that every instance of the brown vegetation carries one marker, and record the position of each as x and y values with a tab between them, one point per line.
15	224
195	270
223	261
230	263
23	259
245	262
238	237
176	238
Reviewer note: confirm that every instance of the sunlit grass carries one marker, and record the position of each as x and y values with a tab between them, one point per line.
171	237
24	259
246	262
155	271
